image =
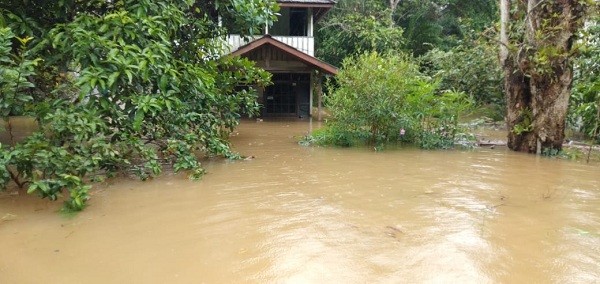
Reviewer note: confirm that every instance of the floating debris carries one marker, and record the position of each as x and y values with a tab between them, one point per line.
9	217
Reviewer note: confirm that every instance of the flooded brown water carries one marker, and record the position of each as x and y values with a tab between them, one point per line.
298	214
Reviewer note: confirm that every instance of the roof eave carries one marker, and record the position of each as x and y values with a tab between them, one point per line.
301	56
306	5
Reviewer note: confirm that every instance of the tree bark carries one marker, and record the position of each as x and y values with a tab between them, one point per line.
393	7
536	43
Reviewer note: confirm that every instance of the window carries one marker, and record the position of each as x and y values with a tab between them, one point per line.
298	22
280	98
291	22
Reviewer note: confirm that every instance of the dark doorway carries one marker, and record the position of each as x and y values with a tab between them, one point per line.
288	96
280	99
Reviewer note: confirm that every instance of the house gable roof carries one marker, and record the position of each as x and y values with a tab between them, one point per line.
320	6
294	53
306	3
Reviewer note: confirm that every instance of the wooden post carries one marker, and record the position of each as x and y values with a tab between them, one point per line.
319	91
261	100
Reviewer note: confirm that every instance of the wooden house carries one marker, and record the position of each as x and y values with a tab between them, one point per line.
287	50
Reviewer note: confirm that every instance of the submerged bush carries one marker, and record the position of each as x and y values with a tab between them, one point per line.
384	99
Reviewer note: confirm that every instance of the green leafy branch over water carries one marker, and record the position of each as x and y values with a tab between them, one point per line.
121	87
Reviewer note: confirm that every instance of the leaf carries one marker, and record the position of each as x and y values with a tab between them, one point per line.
129	75
32	188
143	65
162	83
137	121
112	78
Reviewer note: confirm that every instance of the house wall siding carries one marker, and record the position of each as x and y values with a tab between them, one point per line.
301	43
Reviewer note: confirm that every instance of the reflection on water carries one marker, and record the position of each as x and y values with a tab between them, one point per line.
298	214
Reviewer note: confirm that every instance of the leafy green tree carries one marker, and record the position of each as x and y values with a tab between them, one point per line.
15	69
354	27
442	23
138	85
417	26
461	19
419	19
385	99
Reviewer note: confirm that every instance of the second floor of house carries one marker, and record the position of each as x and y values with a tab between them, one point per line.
294	25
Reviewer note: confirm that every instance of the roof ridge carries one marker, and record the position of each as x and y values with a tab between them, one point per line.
290	50
308	1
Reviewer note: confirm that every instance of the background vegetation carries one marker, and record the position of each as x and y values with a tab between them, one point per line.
455	42
584	108
382	99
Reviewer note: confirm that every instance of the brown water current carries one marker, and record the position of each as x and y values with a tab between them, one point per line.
297	214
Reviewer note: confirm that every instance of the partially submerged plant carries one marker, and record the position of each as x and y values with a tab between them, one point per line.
382	99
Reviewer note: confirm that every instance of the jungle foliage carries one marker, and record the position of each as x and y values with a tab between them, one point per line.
584	107
456	42
412	26
471	67
451	38
121	86
442	24
354	27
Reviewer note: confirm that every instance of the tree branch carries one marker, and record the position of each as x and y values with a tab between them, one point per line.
504	21
335	24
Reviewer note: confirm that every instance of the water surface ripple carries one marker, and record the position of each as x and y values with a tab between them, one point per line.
298	214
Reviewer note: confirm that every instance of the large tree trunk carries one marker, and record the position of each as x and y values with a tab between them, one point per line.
537	70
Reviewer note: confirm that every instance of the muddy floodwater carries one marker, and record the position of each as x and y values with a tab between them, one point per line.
297	214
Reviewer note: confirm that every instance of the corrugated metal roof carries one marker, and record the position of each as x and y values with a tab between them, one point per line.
308	1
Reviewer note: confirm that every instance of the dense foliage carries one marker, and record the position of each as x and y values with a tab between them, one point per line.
416	26
15	70
123	86
383	99
452	37
355	27
442	23
584	111
471	67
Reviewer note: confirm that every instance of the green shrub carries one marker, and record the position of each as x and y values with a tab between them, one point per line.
385	99
15	69
4	173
